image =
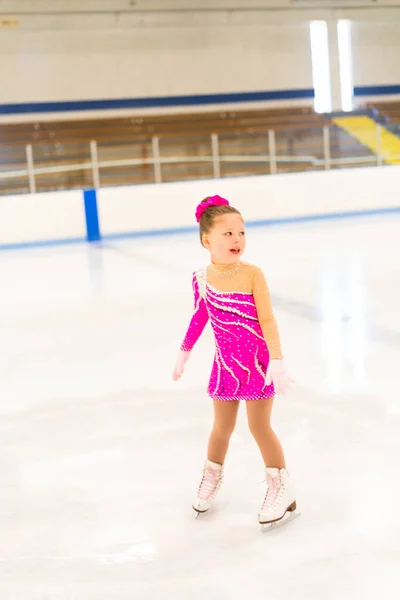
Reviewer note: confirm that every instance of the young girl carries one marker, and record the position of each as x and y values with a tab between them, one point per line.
248	363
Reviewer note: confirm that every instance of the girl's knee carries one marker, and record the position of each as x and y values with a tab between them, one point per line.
258	429
224	430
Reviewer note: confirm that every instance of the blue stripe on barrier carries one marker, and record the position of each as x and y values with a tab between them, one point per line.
194	229
43	243
257	223
92	216
156	102
190	100
376	90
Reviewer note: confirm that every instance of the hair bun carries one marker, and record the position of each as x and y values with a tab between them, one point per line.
210	201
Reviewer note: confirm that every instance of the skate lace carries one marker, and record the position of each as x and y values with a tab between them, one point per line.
209	484
274	492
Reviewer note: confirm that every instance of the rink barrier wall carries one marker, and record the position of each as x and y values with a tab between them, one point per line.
160	209
42	219
259	223
52	219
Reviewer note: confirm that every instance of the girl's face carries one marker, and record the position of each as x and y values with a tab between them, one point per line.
226	241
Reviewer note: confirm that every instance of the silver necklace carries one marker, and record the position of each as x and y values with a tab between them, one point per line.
227	272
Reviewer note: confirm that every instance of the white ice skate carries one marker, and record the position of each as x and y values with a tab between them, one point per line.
280	499
209	486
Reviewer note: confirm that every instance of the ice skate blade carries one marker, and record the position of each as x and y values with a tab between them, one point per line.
267	527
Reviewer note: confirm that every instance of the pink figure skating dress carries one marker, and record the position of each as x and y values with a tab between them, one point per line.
245	331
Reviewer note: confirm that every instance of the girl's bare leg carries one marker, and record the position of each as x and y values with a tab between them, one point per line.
225	414
259	419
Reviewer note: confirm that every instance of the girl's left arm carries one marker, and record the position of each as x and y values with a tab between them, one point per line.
265	314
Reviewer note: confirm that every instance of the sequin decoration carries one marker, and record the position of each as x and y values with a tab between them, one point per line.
245	331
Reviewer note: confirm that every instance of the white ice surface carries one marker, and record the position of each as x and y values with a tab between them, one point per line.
100	452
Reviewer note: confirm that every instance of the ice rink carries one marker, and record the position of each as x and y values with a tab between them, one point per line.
101	453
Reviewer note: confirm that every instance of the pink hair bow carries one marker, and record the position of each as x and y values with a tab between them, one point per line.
211	201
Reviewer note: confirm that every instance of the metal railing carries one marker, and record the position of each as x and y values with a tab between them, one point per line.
213	156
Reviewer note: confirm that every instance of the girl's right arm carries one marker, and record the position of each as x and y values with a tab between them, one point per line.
198	320
195	329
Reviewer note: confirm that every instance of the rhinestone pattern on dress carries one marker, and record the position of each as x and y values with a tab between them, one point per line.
245	331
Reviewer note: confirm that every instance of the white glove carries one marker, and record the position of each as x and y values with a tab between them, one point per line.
278	375
181	361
